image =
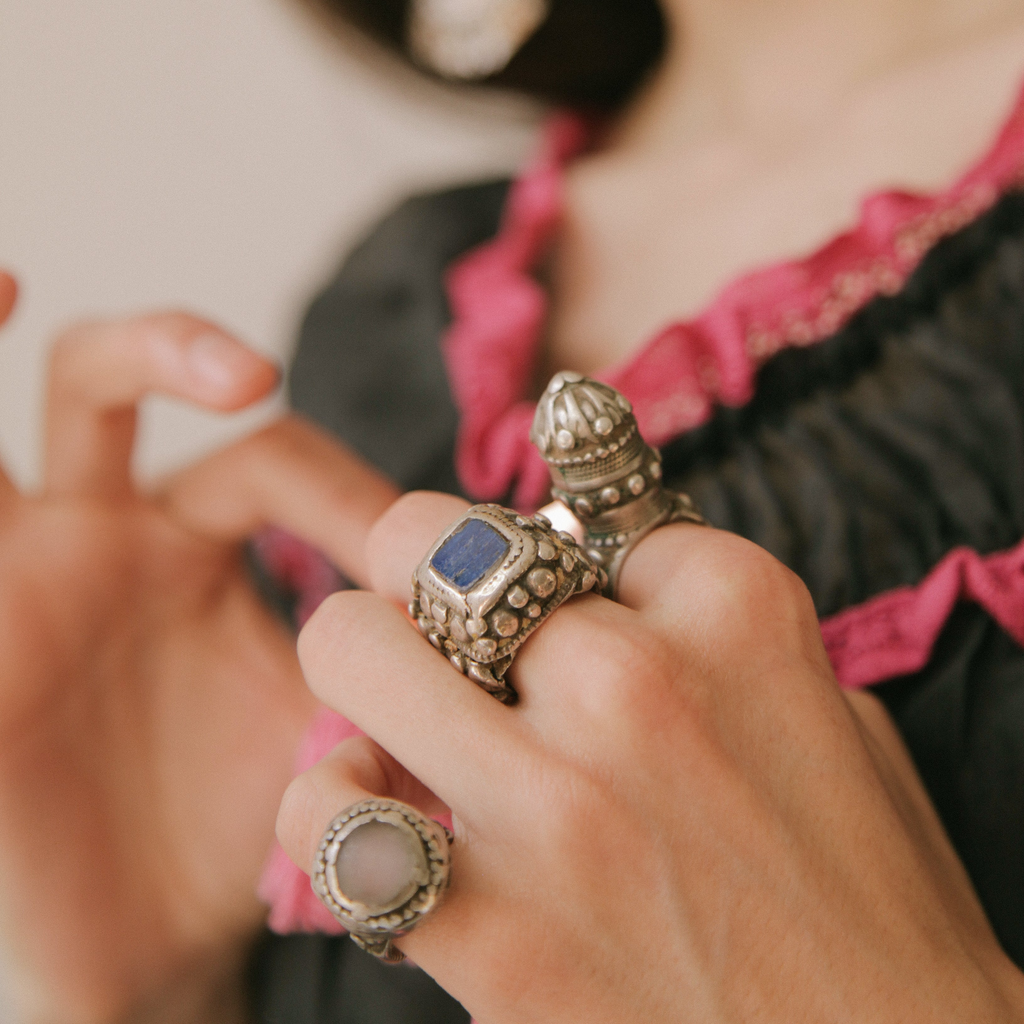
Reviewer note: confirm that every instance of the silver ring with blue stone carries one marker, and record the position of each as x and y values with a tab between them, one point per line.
488	582
380	869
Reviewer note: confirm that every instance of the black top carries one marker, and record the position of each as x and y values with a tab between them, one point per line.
860	462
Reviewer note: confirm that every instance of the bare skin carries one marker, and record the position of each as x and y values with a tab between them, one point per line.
757	139
681	821
150	704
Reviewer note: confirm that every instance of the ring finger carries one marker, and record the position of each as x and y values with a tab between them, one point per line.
355	770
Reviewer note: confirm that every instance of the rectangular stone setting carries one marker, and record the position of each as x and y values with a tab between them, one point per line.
469	554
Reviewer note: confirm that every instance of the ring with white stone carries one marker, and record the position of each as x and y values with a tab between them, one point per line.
602	470
380	869
488	582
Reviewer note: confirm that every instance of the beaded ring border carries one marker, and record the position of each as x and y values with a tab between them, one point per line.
370	929
602	470
488	582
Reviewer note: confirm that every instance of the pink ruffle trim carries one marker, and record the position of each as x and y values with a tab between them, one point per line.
675	381
893	634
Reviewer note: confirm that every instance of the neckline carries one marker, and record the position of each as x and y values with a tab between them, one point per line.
677	378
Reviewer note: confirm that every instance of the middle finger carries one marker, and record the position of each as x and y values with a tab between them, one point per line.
585	642
362	657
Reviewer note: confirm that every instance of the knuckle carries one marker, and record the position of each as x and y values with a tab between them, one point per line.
409	512
750	605
741	580
338	626
327	625
295	824
361	758
628	672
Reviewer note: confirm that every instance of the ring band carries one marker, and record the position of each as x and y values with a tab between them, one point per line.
380	869
603	470
488	582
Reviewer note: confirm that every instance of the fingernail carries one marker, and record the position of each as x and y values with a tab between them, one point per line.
216	360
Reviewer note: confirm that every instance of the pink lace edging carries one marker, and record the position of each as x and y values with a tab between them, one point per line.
890	635
675	380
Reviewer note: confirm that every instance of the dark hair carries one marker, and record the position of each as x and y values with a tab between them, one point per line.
588	53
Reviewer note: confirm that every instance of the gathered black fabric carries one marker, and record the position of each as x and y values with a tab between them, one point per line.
865	458
860	462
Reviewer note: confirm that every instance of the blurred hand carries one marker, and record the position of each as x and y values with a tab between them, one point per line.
682	820
150	706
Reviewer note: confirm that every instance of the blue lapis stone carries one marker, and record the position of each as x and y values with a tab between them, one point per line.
469	554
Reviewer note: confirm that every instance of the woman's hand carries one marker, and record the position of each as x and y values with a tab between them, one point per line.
683	819
150	706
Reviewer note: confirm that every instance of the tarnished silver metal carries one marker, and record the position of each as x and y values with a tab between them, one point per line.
488	582
603	470
372	923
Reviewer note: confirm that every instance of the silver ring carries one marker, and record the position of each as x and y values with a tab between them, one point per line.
603	470
380	869
488	582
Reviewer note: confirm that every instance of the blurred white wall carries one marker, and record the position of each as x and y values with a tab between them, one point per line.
216	155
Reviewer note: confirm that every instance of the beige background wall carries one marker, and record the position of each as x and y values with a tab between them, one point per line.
216	155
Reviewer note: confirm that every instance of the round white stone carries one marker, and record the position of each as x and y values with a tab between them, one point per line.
378	863
565	440
603	425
